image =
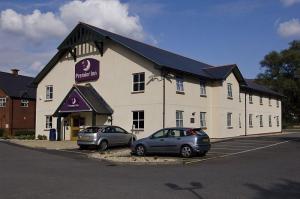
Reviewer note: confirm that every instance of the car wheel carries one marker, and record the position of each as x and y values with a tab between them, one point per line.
140	150
186	151
103	145
131	141
202	154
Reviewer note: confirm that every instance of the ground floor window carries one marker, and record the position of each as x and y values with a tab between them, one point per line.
2	101
261	124
277	120
270	121
179	118
138	120
202	119
229	124
24	103
48	121
250	121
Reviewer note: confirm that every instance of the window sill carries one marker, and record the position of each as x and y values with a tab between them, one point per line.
261	104
203	128
137	92
180	92
203	95
137	130
48	100
250	102
229	127
231	98
47	129
250	126
261	126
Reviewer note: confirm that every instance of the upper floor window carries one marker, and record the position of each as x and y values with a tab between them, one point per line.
260	100
250	99
138	82
202	89
49	92
270	121
24	103
48	121
250	121
261	124
202	119
277	103
270	104
229	90
277	120
138	119
179	84
2	101
179	118
229	117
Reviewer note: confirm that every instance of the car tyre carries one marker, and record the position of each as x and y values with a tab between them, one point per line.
203	153
140	150
103	145
186	151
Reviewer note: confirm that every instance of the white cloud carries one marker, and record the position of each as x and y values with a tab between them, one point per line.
289	28
289	2
111	15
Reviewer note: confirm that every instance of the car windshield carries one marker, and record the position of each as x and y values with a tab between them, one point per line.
92	130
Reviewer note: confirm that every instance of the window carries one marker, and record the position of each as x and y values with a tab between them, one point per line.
175	133
277	120
48	121
270	121
261	124
277	103
179	84
138	82
270	104
24	103
229	90
119	130
229	115
138	120
49	92
2	101
179	118
240	123
160	134
250	121
202	89
203	120
260	100
250	99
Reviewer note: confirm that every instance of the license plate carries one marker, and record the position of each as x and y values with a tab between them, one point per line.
84	138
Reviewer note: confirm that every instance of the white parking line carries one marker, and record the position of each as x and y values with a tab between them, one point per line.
259	141
234	146
224	148
237	153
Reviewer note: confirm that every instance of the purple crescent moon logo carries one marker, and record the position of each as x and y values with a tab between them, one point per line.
87	70
74	100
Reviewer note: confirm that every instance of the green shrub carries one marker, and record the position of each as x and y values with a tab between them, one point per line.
25	137
42	137
24	133
1	132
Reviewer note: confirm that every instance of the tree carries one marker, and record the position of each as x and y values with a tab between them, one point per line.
281	73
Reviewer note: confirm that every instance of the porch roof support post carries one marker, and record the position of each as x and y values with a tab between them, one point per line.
58	128
93	118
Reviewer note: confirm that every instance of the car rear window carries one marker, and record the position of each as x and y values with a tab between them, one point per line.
91	130
195	132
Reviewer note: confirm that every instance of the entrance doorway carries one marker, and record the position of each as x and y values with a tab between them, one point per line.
76	122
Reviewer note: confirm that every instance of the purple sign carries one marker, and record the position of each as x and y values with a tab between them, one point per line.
74	103
87	70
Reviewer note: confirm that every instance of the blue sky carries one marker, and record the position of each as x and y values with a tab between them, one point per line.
217	32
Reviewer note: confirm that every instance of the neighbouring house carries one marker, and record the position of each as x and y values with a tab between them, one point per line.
98	77
17	103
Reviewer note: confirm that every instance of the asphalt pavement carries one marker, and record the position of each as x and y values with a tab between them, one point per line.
259	168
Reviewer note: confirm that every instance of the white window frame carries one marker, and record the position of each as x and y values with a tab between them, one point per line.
250	98
49	122
250	120
49	92
229	120
3	102
203	120
261	121
138	120
139	82
229	91
202	88
179	84
24	103
179	118
261	100
270	120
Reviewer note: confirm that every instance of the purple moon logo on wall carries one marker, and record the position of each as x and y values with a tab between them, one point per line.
87	70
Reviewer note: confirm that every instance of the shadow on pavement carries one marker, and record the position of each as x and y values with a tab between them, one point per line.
285	189
194	186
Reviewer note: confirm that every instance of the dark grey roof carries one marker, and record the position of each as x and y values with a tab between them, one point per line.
255	87
94	99
17	86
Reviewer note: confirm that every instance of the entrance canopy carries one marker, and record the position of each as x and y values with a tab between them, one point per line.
83	99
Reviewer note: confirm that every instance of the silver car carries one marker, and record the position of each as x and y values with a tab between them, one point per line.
183	141
104	136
